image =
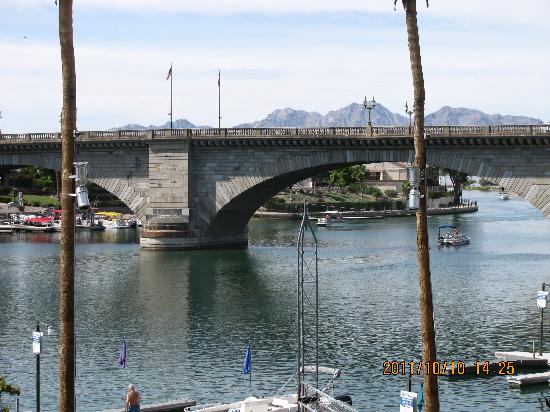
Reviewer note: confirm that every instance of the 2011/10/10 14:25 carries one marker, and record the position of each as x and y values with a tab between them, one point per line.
449	368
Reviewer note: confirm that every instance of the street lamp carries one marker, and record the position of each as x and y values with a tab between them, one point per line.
369	105
36	349
414	177
81	176
409	112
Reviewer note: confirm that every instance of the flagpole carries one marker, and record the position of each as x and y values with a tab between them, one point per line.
219	101
171	77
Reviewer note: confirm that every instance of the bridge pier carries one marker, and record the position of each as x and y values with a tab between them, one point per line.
175	233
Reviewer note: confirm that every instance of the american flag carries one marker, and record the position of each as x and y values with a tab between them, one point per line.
169	73
219	76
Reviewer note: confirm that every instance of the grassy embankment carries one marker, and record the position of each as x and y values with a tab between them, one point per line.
33	200
286	202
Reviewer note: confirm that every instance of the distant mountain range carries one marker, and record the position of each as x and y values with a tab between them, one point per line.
356	115
459	116
178	124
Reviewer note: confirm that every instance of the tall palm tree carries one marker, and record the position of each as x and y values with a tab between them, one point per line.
359	174
68	126
429	354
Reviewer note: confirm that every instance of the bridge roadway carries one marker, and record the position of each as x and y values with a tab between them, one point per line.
198	188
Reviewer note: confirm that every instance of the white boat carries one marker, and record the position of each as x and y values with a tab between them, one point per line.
330	218
116	224
322	221
252	404
504	196
314	400
453	238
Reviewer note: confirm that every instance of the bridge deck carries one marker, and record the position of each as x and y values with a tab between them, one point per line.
290	132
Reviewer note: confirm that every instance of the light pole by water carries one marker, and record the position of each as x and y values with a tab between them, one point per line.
369	105
37	349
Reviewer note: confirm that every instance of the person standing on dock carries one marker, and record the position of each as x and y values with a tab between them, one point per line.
132	399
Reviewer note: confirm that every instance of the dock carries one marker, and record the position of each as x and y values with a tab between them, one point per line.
177	405
519	381
518	355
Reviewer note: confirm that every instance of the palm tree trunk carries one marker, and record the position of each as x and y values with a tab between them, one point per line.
429	354
67	401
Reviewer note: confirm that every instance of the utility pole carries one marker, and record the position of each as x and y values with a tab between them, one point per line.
67	401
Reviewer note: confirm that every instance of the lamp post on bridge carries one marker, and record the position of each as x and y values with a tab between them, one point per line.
369	105
409	112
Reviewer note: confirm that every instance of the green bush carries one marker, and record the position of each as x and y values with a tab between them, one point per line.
373	191
399	205
36	204
8	389
390	193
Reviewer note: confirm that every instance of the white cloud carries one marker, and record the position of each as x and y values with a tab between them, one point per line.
504	71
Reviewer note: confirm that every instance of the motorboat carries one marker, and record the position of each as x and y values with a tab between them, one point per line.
38	224
330	217
452	238
504	196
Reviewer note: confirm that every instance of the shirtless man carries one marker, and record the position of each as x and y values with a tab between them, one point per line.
132	399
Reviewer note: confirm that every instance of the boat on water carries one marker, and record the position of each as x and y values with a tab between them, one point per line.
452	238
313	399
117	224
503	196
114	220
330	218
38	224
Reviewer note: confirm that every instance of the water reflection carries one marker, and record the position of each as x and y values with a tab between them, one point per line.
187	316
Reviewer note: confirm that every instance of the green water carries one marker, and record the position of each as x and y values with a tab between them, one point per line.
188	316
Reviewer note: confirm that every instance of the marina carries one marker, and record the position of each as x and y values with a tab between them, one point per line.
204	299
362	253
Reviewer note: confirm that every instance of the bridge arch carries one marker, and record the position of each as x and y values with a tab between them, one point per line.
238	197
119	186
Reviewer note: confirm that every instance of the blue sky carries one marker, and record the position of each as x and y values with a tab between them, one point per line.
316	55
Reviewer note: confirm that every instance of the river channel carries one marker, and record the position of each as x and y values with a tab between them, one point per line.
187	317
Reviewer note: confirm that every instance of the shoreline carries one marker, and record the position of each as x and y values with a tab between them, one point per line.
367	214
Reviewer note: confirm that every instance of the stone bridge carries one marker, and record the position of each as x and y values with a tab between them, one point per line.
198	188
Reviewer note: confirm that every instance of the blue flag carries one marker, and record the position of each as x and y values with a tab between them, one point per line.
247	356
420	403
122	356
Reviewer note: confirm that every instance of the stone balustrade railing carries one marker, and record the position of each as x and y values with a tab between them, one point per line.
376	131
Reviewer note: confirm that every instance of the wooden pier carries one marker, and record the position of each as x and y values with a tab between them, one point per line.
177	405
517	355
518	381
